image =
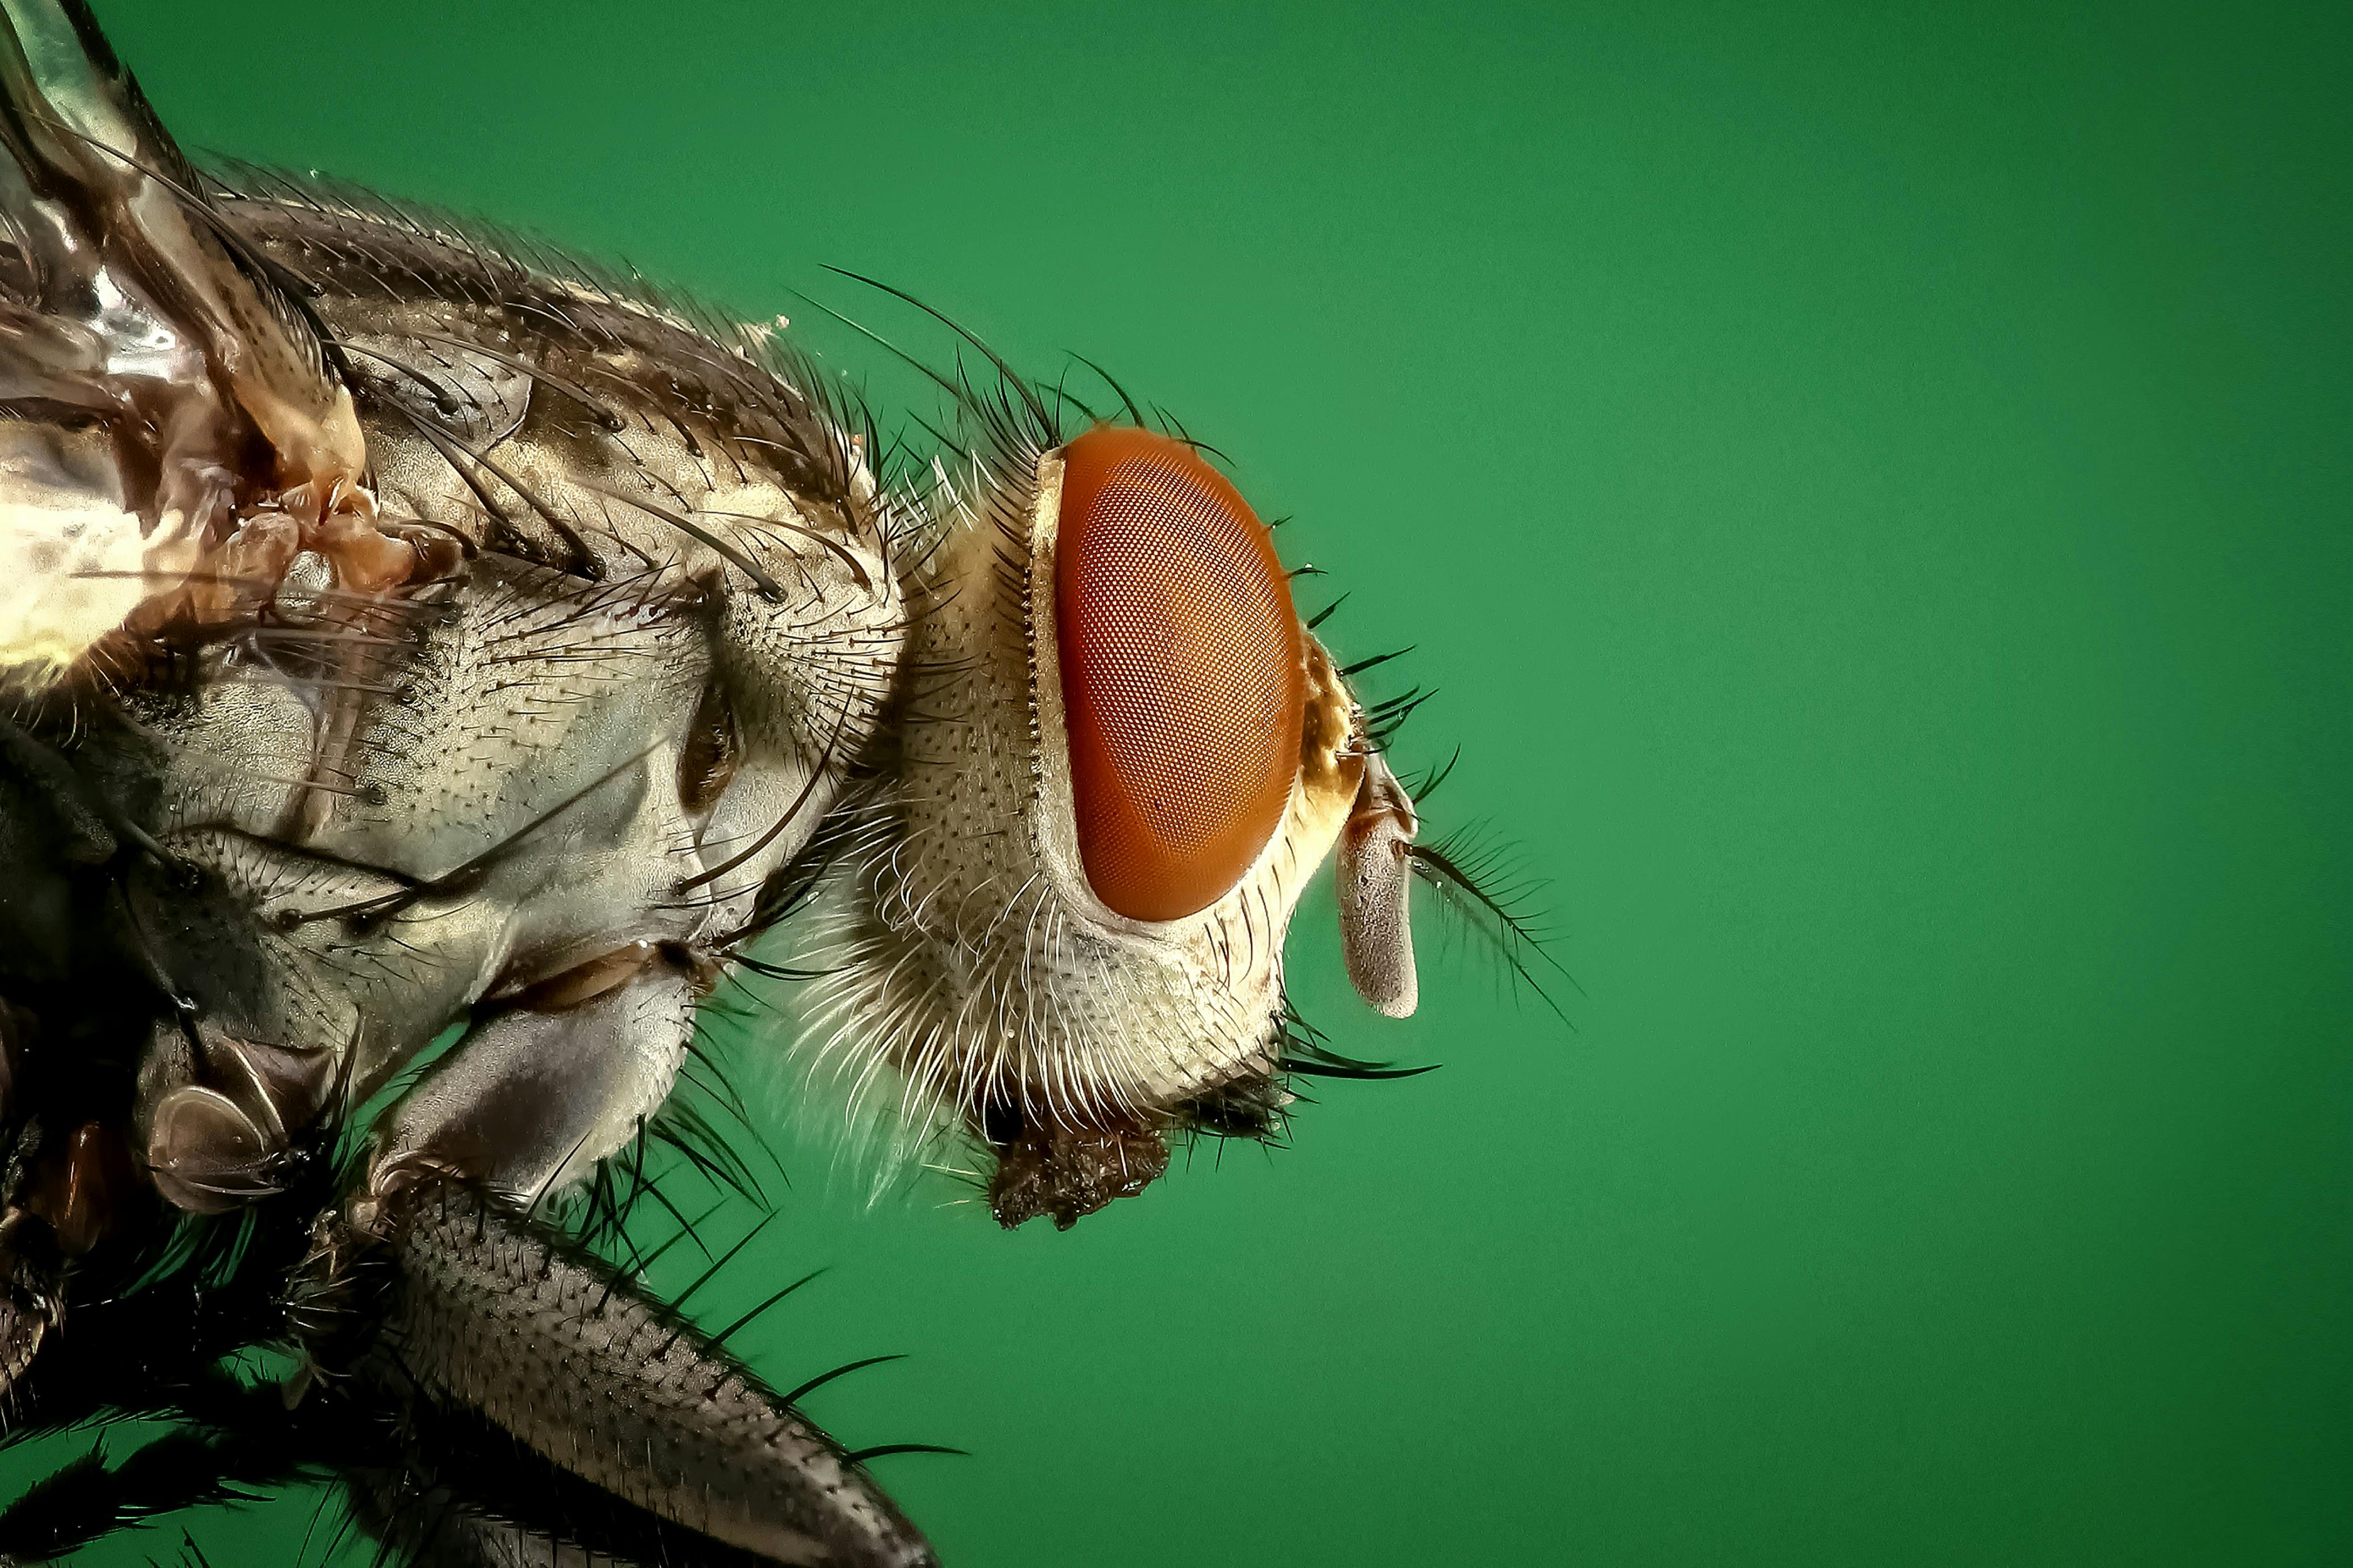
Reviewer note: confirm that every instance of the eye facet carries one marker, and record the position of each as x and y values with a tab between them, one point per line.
1183	681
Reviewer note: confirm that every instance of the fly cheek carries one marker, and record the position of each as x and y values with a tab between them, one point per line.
1169	676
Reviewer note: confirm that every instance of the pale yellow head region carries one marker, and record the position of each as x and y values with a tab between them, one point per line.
975	972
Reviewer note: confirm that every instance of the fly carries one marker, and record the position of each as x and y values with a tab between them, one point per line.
400	637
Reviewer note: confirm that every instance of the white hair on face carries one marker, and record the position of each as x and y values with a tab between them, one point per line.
953	961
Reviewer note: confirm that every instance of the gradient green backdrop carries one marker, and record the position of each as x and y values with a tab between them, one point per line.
1873	489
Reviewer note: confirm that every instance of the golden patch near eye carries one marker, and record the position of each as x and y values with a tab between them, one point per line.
1182	673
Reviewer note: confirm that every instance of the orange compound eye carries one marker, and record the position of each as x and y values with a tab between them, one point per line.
1183	682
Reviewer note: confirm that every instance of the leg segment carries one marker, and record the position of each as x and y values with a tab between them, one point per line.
492	1319
489	1317
533	1098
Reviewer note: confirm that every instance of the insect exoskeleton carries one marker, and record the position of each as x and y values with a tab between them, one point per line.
1123	757
402	640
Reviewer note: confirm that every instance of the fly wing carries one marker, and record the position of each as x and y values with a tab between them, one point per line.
159	378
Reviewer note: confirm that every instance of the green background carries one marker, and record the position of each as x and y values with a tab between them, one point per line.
1872	486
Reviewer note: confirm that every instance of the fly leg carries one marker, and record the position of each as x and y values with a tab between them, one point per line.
535	1095
69	1184
488	1320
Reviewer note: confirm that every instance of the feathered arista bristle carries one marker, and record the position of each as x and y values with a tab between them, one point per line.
1477	881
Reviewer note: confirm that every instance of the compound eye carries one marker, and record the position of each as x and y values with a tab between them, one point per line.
1183	679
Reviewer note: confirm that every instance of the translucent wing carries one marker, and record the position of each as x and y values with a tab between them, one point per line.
173	421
